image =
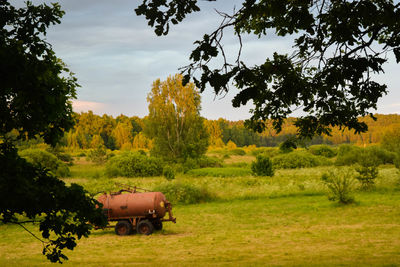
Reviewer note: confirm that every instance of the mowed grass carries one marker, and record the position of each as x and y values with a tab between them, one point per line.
301	231
253	221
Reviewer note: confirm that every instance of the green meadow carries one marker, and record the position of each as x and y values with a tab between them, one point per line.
243	220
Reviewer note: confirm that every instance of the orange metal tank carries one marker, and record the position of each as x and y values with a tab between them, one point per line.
120	206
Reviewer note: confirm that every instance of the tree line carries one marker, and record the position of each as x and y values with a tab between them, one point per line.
127	133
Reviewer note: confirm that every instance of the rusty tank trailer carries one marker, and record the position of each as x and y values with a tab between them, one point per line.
133	210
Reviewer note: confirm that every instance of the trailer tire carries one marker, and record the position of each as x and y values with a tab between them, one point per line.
158	225
123	228
145	227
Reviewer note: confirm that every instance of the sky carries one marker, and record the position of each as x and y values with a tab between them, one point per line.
116	56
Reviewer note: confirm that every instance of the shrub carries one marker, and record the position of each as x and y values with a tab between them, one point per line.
340	184
267	151
133	164
184	193
169	173
98	155
262	166
381	155
41	158
322	150
205	161
66	158
190	164
219	172
367	171
237	151
397	161
288	145
299	159
238	165
391	139
349	155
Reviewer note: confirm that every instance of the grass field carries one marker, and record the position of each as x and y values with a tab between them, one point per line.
253	221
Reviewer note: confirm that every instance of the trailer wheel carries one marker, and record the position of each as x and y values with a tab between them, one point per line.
145	227
123	228
157	224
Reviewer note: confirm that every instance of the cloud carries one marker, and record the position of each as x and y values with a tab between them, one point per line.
84	106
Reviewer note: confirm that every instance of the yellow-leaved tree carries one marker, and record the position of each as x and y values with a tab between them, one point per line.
174	121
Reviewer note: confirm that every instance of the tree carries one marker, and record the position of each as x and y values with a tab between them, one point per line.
391	139
339	46
215	133
174	120
36	88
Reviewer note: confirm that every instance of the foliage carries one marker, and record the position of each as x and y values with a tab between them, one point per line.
204	162
322	150
64	213
43	159
190	164
174	120
92	130
262	166
350	154
267	151
288	145
98	155
35	86
299	159
391	139
169	173
381	155
237	151
184	193
214	130
65	157
90	126
132	164
36	89
328	74
340	184
367	170
347	155
397	161
220	172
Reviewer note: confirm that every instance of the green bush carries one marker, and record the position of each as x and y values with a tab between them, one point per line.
66	158
349	155
288	145
201	162
169	173
219	172
396	161
237	165
47	160
267	151
184	193
262	166
131	164
340	184
381	155
322	150
367	171
204	162
98	155
237	151
299	159
190	164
